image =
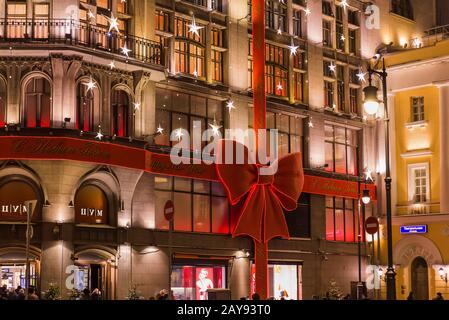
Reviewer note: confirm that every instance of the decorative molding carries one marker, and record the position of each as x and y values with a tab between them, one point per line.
417	124
417	153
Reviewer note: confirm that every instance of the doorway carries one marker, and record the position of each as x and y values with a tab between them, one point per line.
420	279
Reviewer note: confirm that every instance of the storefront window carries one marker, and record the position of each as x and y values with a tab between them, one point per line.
285	281
192	282
341	145
13	275
200	206
341	220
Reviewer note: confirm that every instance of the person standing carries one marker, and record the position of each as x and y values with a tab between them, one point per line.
439	296
411	296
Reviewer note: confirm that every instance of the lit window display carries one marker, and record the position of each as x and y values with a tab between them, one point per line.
14	275
285	281
192	282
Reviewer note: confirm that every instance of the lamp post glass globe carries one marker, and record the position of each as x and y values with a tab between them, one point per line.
366	199
371	104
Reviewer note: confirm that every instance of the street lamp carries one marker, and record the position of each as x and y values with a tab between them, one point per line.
366	199
361	203
371	106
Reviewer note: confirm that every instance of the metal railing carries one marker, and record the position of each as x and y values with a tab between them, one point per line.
78	33
435	35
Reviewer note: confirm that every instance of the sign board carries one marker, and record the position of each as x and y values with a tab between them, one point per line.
169	210
371	225
414	229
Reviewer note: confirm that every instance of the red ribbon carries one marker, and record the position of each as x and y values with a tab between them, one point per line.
264	196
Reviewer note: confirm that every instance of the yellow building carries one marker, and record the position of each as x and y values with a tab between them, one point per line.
418	90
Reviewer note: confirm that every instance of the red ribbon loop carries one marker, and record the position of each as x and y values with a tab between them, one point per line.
264	197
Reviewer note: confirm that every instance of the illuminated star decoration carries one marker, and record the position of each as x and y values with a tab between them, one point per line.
160	130
90	85
99	134
310	123
344	4
282	1
179	134
136	105
279	31
193	27
113	23
293	48
361	75
332	67
125	50
342	38
91	15
215	128
279	87
369	175
112	65
307	11
230	105
195	74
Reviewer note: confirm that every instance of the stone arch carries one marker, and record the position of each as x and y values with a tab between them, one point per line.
413	246
35	252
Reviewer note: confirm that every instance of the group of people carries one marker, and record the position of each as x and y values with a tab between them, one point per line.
87	295
439	296
18	293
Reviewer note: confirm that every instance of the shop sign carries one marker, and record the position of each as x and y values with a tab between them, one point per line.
414	229
89	212
91	205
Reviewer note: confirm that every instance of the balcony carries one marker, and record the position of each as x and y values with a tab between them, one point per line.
79	34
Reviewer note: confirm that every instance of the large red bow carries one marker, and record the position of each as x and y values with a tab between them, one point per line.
264	196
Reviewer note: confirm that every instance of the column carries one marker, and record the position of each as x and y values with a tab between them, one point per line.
240	277
444	145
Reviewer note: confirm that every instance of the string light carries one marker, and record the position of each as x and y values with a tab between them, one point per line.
293	48
125	50
230	105
193	27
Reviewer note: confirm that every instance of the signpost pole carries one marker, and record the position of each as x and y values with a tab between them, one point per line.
169	211
30	206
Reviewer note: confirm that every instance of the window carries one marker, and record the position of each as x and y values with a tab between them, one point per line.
88	113
276	15
41	14
162	21
418	179
342	220
354	100
122	7
417	109
341	150
353	17
403	8
2	103
341	97
327	8
290	132
120	109
201	206
341	39
37	107
189	49
298	221
329	94
327	33
175	110
353	41
250	63
16	19
276	70
297	23
202	3
217	65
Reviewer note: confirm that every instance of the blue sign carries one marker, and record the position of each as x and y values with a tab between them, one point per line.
413	229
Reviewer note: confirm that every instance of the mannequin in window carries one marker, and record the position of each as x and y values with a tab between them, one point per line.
204	283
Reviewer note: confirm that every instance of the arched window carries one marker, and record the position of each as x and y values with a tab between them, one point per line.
37	108
2	103
88	102
120	108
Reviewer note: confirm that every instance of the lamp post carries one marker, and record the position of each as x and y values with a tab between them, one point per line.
371	106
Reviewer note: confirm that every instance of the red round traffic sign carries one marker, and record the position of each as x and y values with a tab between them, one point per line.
169	210
371	225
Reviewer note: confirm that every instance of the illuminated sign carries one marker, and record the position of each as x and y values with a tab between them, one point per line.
413	229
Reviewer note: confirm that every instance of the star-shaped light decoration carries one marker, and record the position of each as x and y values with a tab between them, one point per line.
332	67
279	87
369	175
195	74
159	130
91	15
125	50
293	48
113	23
112	65
91	84
279	31
342	38
230	106
193	27
361	76
136	105
99	135
282	1
307	11
215	128
344	4
179	134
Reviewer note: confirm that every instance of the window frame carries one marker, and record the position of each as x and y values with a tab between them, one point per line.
411	169
417	110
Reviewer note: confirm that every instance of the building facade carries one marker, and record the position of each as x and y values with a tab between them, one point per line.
90	88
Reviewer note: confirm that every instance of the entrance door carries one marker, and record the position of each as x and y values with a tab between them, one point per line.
420	279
